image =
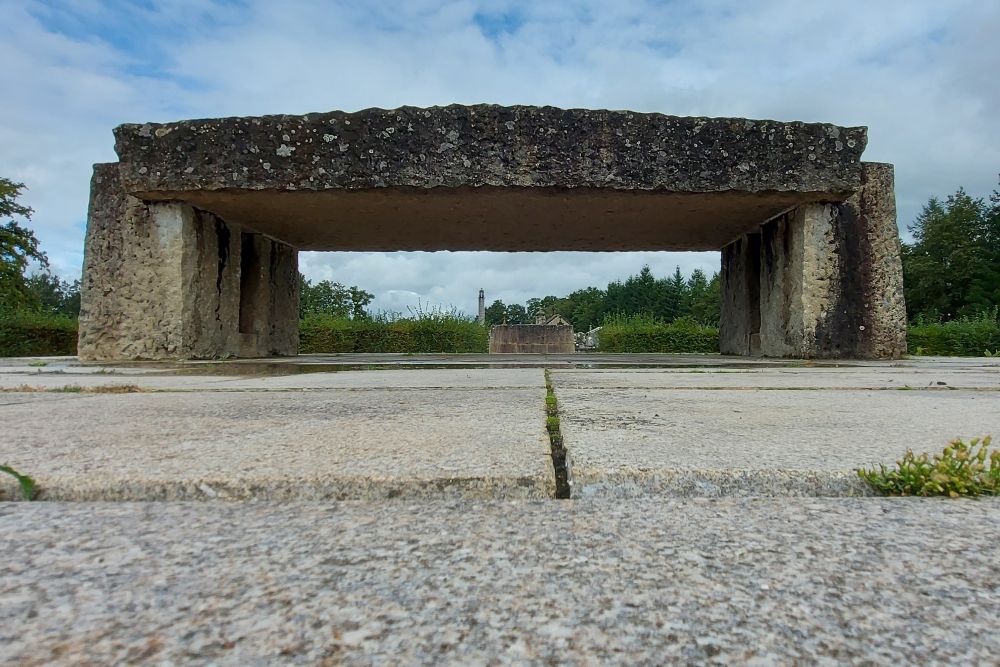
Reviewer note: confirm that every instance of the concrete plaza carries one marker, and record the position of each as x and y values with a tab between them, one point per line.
374	509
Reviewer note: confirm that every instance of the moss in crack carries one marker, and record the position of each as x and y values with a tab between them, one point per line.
556	440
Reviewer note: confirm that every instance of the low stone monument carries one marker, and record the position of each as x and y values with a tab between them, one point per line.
532	339
192	236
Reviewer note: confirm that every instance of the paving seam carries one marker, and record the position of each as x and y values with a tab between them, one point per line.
560	457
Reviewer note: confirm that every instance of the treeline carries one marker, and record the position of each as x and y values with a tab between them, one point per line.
951	271
21	293
665	299
331	299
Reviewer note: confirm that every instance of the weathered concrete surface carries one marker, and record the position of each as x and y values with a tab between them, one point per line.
335	444
165	280
850	377
823	280
643	440
140	277
872	255
834	379
492	178
652	581
431	378
531	339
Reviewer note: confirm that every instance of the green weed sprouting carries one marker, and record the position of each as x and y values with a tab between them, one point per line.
962	469
24	481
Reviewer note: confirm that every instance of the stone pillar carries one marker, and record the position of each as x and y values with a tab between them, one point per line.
874	258
829	280
162	280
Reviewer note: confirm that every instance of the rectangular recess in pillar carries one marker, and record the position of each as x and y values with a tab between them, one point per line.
250	283
739	328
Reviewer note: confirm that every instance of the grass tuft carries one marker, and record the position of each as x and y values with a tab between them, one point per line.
962	469
26	483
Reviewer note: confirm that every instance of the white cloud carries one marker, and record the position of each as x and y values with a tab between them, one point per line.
920	74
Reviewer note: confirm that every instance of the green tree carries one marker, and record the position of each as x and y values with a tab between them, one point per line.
333	299
18	247
585	308
517	314
359	301
54	296
952	269
706	299
496	313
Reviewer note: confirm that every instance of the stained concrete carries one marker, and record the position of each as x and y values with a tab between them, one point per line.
823	280
697	425
643	439
430	378
167	280
826	379
640	581
335	444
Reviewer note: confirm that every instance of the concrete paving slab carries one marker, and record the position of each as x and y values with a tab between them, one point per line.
626	442
430	378
280	445
640	581
779	378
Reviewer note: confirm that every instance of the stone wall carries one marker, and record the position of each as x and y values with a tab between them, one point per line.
532	338
163	280
828	284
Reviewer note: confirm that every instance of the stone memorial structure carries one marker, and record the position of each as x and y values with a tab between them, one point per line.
192	235
532	339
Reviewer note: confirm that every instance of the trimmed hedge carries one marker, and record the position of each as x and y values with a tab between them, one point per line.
958	338
320	334
30	335
640	333
33	335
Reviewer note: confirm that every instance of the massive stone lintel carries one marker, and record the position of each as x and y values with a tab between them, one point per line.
492	178
192	237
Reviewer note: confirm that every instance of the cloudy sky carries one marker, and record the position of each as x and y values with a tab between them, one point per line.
923	75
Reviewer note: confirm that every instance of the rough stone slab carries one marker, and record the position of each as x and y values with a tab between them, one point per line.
626	442
479	378
280	445
642	581
491	178
489	145
901	379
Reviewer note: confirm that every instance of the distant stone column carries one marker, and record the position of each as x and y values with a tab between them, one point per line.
482	307
824	280
164	280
